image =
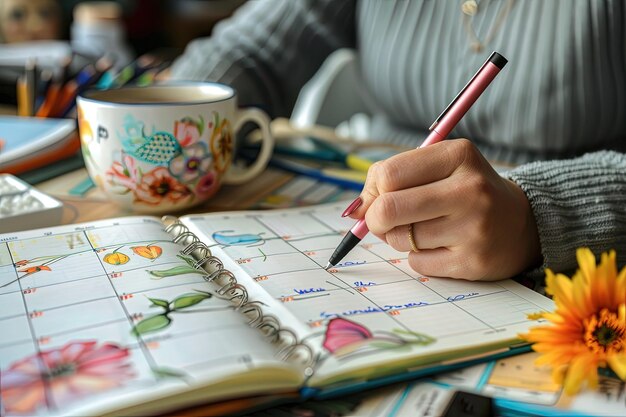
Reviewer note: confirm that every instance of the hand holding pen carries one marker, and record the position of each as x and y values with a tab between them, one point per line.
446	205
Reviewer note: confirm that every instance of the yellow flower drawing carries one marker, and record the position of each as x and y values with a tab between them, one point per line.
587	330
116	258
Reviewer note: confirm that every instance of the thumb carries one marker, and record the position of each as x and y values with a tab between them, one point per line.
358	207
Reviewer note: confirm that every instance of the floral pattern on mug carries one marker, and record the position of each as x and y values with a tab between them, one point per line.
188	131
86	133
133	136
158	185
151	188
221	142
171	167
194	162
124	173
207	185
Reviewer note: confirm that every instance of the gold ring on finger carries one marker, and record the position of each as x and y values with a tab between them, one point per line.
412	239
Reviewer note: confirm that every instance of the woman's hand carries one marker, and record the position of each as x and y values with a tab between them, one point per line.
468	221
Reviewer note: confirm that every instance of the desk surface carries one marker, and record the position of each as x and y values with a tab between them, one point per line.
94	204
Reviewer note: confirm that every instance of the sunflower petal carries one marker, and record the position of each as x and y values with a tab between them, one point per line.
592	379
577	373
558	374
618	365
554	358
580	296
550	277
586	262
620	287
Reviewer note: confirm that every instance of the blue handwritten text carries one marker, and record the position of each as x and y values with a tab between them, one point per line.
308	290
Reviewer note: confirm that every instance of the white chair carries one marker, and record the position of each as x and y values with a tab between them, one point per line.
335	97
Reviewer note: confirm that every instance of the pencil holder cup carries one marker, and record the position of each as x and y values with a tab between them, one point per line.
167	147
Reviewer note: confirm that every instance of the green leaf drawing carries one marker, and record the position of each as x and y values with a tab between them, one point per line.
159	303
190	261
168	373
177	270
161	321
188	300
382	344
418	337
151	324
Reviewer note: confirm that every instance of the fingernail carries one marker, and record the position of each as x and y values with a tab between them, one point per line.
353	206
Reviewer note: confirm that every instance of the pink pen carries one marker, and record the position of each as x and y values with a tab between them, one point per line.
441	128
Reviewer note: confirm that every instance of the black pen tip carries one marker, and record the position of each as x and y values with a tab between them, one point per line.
498	60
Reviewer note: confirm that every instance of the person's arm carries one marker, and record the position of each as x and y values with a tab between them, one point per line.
577	202
460	219
269	48
455	215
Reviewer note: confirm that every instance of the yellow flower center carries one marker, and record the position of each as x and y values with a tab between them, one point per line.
604	333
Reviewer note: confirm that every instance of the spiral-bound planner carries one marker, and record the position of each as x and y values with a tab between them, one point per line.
141	315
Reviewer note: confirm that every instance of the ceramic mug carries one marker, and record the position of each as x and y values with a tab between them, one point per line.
166	147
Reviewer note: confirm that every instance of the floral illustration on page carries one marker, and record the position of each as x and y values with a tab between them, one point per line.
64	374
229	238
345	338
164	319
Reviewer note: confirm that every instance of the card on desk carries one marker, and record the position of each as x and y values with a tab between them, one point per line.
121	305
518	387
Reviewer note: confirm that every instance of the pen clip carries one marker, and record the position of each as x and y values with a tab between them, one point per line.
454	100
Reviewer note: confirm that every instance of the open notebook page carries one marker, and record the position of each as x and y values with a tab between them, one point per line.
106	316
371	315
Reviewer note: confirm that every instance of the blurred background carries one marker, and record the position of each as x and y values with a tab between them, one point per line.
149	24
50	30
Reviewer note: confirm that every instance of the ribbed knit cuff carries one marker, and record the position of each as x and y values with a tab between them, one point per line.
576	203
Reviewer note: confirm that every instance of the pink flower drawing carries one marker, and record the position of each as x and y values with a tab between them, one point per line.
345	338
342	333
66	374
186	132
194	162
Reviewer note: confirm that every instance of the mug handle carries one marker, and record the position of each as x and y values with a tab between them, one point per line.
262	120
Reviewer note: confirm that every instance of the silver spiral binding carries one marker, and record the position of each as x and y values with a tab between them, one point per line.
289	348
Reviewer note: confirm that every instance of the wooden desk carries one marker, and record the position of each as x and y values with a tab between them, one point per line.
95	205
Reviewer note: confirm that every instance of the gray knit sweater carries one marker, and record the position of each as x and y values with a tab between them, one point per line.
562	95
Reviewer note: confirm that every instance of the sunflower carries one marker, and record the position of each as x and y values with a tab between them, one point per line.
587	330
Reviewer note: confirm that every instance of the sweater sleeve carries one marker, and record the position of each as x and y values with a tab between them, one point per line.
578	202
269	48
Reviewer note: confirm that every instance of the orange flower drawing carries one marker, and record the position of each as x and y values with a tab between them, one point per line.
36	268
149	251
588	328
64	375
